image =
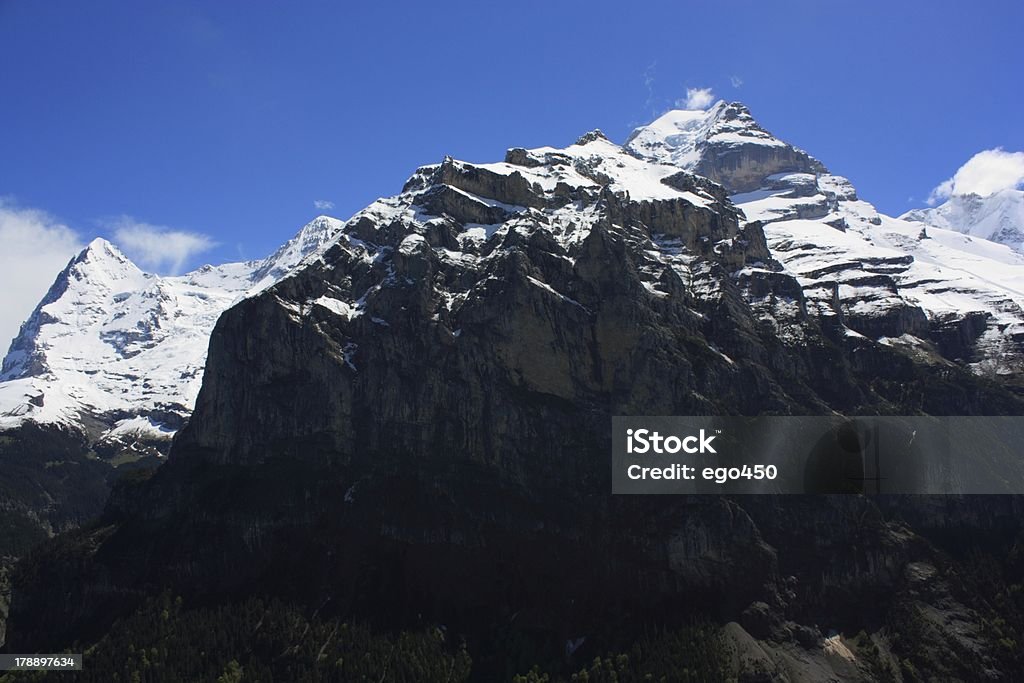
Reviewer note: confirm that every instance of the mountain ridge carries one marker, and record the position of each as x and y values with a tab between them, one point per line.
414	428
978	307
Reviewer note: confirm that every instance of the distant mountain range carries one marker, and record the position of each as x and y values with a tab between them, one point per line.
998	217
118	354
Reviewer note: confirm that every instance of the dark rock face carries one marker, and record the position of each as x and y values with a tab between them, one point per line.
957	335
741	168
50	482
418	423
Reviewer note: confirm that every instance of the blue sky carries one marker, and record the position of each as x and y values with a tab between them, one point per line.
230	119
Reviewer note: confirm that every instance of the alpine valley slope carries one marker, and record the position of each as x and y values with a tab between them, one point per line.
414	426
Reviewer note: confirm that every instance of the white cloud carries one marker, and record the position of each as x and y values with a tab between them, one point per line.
157	247
323	205
35	248
736	81
941	192
985	173
697	98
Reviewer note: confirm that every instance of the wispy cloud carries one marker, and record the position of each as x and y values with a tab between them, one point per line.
157	247
696	98
36	246
985	173
736	81
649	75
323	204
648	80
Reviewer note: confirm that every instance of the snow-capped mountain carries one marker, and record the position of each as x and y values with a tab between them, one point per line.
998	217
431	394
938	294
118	352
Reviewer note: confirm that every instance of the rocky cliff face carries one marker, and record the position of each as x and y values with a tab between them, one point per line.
416	425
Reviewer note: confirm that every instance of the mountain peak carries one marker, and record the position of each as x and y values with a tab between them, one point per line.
680	132
592	136
98	271
101	258
311	238
102	248
99	243
724	143
676	120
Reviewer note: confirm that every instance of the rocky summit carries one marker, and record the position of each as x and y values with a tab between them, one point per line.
414	425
